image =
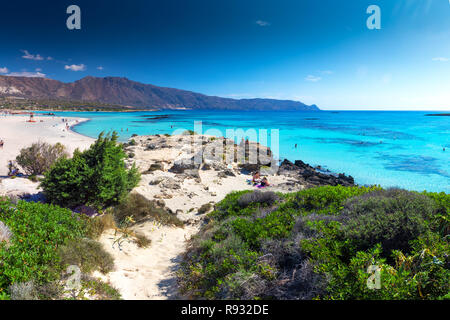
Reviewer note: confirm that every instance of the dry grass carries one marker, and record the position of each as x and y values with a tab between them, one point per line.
98	225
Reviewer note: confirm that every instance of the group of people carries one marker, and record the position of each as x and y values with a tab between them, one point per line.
13	170
259	182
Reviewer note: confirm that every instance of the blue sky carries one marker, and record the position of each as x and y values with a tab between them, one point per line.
316	51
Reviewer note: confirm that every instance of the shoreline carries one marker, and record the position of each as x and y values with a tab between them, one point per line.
17	133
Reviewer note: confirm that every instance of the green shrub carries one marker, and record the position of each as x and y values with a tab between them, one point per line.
391	217
38	230
230	207
276	225
318	244
94	177
205	208
87	254
326	199
40	156
266	198
140	209
99	289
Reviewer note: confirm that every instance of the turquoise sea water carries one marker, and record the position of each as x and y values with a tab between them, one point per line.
403	149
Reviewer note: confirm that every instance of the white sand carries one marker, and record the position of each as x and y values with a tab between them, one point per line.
17	134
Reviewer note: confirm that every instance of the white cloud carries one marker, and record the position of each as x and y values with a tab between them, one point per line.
100	68
27	74
49	58
38	69
30	56
327	72
75	67
312	78
4	70
262	23
441	59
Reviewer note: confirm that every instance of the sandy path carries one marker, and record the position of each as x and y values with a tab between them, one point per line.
147	273
151	273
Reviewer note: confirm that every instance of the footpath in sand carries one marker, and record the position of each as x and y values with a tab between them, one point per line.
150	273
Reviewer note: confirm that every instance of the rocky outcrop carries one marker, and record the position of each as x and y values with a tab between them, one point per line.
311	176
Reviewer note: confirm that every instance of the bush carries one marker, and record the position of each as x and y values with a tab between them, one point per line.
96	177
326	199
87	254
266	198
23	291
38	230
205	208
141	209
142	241
391	217
97	225
318	244
40	156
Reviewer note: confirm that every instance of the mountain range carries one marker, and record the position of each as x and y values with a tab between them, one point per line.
125	92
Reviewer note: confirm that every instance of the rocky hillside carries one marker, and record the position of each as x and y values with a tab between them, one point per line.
121	91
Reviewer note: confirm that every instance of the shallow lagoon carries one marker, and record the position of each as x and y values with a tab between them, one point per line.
403	149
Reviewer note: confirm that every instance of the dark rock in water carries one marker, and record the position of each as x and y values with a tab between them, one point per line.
309	175
287	165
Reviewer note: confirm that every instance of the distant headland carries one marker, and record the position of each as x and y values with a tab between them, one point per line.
438	115
120	92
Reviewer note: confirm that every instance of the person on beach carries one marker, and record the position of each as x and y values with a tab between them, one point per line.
256	178
1	144
264	183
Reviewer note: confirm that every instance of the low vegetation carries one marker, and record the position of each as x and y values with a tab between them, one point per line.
319	244
40	156
140	209
95	177
42	241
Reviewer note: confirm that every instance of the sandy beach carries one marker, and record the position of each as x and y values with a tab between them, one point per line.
17	133
150	273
